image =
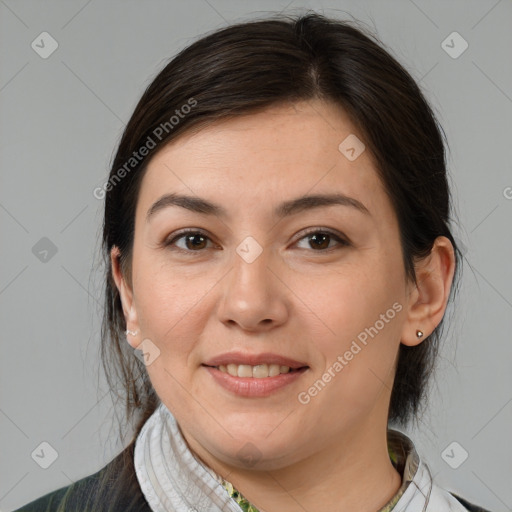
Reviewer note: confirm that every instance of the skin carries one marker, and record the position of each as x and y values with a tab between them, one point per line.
295	299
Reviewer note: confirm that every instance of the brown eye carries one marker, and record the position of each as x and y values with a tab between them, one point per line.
320	240
193	241
196	241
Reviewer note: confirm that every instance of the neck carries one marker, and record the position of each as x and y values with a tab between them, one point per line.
354	473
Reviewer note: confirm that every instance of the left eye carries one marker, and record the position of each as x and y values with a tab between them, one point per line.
321	239
195	241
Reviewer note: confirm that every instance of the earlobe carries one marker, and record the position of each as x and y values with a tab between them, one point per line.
126	296
429	296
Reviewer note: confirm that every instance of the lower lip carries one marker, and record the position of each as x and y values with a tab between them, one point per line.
251	386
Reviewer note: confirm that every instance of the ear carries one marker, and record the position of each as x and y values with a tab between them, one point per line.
429	296
126	295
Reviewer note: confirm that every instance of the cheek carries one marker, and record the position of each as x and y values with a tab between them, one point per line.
362	315
349	303
169	307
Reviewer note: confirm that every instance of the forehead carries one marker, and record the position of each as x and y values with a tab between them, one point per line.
260	159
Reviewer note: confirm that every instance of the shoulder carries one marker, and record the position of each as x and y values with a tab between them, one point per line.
114	487
443	499
53	500
421	492
468	505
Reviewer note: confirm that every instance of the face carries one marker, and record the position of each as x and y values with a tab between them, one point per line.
320	286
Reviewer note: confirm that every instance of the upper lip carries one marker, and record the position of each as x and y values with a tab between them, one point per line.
253	359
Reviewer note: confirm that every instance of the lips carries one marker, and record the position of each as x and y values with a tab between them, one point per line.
240	358
251	387
254	375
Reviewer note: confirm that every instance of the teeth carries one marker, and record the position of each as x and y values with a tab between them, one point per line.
259	371
232	370
273	370
244	370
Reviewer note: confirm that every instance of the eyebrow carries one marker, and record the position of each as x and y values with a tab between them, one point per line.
285	209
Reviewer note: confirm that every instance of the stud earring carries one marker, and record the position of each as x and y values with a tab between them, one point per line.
133	333
419	334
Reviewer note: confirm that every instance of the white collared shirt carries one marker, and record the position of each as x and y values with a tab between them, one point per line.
172	479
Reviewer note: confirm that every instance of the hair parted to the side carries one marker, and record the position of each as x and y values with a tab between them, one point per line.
249	66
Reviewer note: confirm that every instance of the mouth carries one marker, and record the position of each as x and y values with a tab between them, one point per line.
255	381
264	361
259	371
254	375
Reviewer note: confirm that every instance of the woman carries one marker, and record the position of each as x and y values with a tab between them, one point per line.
279	262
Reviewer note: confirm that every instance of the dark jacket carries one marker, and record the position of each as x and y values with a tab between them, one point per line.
113	488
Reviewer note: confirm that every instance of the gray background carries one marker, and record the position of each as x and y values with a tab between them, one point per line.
61	119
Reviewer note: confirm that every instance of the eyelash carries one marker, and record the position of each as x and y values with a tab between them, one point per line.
337	237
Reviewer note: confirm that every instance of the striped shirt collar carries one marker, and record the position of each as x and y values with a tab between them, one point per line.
173	479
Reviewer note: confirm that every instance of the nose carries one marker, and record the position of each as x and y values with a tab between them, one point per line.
254	296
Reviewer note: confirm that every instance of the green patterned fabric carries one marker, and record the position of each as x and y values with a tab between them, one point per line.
244	504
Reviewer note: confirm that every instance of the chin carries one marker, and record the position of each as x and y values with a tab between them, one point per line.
259	452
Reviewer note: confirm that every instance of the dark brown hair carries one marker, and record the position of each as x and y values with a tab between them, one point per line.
250	66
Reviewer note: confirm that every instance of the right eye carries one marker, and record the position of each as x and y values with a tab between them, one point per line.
193	241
